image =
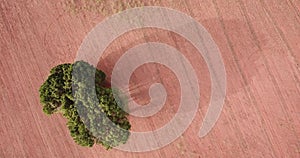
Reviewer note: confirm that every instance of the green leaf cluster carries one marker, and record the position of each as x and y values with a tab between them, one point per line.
93	114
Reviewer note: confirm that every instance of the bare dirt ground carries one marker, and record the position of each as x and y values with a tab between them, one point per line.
259	41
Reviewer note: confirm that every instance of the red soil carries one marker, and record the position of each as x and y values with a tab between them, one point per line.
259	43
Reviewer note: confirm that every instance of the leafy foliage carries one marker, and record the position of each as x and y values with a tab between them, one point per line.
55	89
92	111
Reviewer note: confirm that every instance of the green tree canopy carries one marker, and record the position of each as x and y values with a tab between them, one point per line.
92	117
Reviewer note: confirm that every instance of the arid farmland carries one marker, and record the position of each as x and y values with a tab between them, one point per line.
259	41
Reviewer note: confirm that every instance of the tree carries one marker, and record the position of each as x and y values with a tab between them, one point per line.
92	117
55	89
